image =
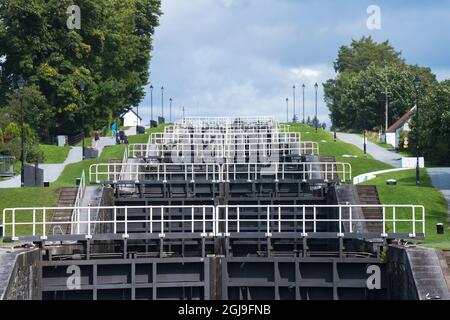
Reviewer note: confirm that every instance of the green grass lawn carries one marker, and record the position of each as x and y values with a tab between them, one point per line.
328	147
55	154
46	197
406	192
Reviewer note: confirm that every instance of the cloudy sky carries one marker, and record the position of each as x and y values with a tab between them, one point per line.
242	57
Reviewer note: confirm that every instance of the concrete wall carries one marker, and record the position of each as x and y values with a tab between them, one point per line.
415	274
20	274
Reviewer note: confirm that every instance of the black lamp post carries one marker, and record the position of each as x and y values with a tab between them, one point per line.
417	83
303	103
170	110
364	85
287	110
183	114
294	118
21	84
162	102
316	86
82	87
151	105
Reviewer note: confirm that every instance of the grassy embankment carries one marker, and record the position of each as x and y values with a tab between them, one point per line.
405	193
46	197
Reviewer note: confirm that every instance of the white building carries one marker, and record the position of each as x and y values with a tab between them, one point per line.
402	125
131	119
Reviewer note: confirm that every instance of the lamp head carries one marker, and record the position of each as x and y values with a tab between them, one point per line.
417	82
21	83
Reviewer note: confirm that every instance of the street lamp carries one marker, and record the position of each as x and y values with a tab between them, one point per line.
303	86
183	114
287	110
417	83
364	85
151	105
82	87
316	86
21	83
294	119
162	102
170	110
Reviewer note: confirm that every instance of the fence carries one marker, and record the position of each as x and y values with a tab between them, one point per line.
7	166
162	172
220	221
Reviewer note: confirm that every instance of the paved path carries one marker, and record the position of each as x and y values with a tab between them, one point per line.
53	171
440	177
379	153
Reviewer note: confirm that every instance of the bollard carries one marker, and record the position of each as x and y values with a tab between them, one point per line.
440	228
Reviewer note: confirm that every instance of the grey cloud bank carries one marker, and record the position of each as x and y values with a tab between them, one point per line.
226	57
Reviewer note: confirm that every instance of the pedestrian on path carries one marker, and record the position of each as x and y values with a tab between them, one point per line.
96	139
114	130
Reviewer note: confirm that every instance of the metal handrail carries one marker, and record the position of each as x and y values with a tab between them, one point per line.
116	172
200	219
163	172
79	198
281	171
274	217
206	219
224	138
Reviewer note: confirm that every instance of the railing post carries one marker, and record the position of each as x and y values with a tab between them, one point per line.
204	221
414	220
315	219
34	222
384	235
192	220
351	218
304	221
13	223
238	209
44	214
115	220
393	219
126	221
89	220
279	219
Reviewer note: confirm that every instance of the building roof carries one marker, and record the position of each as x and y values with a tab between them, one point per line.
402	121
131	110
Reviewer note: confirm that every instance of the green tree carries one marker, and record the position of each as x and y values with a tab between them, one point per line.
434	126
110	55
364	52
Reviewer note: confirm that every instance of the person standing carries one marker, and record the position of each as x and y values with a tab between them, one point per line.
96	139
114	130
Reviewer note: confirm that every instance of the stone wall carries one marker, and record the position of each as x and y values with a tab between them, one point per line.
21	277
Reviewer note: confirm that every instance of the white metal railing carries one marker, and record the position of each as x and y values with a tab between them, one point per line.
164	172
79	197
271	219
223	138
35	222
305	171
216	151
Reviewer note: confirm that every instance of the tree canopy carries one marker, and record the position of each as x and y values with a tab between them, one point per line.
356	107
110	55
